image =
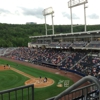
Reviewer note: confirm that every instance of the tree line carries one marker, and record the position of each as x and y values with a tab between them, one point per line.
17	35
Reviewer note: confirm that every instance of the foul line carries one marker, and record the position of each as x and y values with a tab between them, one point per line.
22	73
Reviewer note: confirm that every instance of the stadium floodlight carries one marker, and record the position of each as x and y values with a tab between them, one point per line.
74	3
48	11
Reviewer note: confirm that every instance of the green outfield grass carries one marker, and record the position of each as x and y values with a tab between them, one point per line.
10	79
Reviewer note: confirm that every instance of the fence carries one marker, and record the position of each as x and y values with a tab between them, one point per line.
19	93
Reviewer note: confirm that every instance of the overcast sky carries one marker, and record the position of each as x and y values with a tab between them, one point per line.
22	11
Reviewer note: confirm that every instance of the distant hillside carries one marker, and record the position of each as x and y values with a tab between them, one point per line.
12	35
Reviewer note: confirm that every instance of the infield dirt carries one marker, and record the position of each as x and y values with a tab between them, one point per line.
38	83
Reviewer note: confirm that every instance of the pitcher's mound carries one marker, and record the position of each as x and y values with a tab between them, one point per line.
39	83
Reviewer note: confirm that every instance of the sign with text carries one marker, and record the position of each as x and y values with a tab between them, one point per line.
63	83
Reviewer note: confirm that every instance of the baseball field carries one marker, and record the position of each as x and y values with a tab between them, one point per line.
21	74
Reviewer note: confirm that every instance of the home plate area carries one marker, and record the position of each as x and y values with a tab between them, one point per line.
39	83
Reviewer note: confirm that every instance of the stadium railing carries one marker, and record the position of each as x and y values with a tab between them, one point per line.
19	93
89	92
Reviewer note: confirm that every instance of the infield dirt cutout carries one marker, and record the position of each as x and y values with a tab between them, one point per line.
38	83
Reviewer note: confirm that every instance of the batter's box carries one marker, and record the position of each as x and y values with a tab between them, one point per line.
37	82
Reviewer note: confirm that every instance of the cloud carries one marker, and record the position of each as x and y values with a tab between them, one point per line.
69	17
17	12
37	12
93	16
3	11
66	15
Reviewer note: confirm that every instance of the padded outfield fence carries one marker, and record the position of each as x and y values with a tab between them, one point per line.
19	93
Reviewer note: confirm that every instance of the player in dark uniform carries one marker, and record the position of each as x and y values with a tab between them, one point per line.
45	79
4	66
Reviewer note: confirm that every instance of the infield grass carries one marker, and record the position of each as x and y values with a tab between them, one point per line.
10	79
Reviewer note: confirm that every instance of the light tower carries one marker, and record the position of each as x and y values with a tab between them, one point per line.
48	11
74	3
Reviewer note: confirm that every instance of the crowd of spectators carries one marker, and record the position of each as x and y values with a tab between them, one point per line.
85	62
79	44
72	59
66	45
94	44
41	55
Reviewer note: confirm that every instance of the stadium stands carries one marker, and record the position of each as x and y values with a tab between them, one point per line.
82	62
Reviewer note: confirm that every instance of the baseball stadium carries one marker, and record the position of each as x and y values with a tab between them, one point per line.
63	66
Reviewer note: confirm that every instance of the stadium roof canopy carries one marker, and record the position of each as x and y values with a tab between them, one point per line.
66	34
